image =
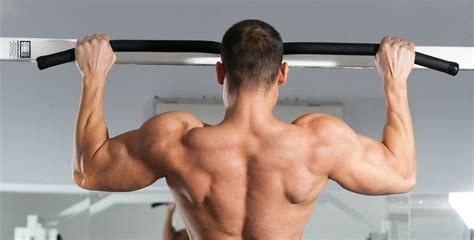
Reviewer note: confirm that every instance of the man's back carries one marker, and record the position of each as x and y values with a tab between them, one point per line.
234	181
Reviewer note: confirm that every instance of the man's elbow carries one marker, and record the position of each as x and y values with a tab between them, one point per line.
81	181
408	184
411	183
406	177
410	178
81	172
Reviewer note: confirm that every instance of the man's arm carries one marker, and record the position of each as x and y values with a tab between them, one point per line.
168	229
100	163
366	166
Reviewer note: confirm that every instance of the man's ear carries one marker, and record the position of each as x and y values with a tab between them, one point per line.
220	71
283	76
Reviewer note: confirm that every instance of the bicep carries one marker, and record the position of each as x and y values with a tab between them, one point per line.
367	167
358	163
138	158
121	164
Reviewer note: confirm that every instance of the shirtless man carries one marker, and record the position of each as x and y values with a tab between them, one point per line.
251	176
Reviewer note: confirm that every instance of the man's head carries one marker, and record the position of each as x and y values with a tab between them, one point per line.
251	53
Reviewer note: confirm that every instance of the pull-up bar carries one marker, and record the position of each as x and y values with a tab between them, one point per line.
52	52
362	49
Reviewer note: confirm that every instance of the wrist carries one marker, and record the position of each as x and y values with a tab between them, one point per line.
394	84
97	80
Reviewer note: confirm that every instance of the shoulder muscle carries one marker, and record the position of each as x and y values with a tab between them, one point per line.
175	120
169	126
323	124
338	138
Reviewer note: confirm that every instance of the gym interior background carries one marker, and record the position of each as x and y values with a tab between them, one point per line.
38	109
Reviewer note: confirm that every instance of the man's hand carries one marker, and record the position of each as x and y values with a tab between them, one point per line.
395	60
94	56
171	207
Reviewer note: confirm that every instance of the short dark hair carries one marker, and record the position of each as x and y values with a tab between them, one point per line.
252	52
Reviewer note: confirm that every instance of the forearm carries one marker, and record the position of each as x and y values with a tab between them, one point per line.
398	135
168	231
91	129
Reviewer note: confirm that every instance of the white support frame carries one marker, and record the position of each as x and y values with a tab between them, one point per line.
41	188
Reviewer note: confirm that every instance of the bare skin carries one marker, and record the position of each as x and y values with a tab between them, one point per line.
169	233
251	176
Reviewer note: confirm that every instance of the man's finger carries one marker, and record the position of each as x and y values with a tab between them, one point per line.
407	45
104	36
79	41
396	40
385	40
91	37
384	43
84	39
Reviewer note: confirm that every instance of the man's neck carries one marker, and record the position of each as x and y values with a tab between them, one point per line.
253	109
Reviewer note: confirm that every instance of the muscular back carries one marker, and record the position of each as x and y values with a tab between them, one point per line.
254	179
251	182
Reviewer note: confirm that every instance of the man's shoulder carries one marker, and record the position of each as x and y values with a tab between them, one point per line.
173	121
316	121
324	127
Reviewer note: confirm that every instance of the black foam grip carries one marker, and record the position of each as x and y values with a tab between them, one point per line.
441	65
55	59
331	48
366	49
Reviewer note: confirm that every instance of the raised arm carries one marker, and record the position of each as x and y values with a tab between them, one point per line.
364	165
130	161
99	163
